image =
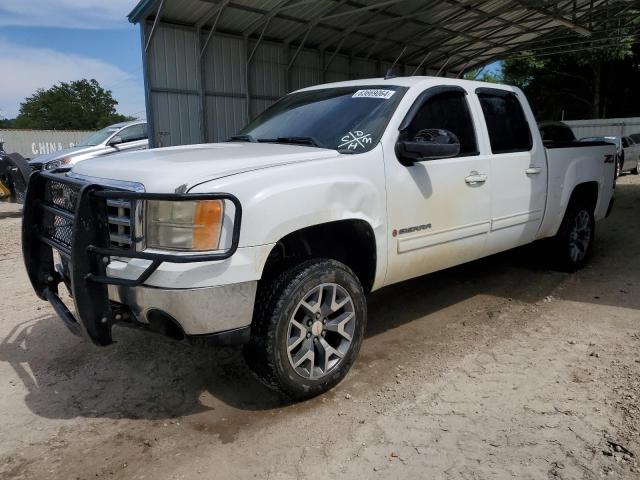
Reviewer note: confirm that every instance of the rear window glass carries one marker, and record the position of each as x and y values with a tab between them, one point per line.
556	133
506	122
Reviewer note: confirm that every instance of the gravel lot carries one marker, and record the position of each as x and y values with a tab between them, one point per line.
495	369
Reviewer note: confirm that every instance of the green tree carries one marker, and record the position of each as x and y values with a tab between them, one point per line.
590	79
78	105
482	75
7	123
594	77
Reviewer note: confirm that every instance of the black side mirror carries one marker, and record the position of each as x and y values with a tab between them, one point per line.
428	144
117	140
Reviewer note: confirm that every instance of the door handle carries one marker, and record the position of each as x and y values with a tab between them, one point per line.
533	170
475	178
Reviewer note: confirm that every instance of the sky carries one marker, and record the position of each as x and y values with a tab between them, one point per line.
43	42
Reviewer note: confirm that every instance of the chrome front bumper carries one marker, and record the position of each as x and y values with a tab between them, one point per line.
199	311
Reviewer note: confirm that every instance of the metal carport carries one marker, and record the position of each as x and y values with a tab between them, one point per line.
210	65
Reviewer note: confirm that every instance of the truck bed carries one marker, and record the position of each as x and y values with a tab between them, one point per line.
573	163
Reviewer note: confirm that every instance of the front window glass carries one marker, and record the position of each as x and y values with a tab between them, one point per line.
347	119
98	137
446	111
133	133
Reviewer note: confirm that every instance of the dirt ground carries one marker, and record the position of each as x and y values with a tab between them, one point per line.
496	369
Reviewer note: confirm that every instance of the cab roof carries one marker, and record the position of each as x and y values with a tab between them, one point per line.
421	82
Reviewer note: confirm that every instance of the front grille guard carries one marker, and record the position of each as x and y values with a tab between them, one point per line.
90	246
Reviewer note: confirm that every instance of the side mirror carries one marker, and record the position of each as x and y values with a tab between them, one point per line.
117	140
428	144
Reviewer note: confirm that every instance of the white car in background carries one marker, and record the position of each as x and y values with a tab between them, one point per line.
120	137
631	155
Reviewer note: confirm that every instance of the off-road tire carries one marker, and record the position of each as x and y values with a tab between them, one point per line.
562	242
276	300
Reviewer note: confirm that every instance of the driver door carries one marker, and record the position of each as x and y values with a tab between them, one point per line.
439	210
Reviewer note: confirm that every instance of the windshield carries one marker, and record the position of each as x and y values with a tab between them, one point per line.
347	119
98	137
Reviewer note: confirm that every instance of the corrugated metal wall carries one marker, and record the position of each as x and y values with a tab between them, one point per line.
608	126
31	143
182	112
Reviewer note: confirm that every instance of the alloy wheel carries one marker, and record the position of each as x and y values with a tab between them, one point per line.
580	236
321	330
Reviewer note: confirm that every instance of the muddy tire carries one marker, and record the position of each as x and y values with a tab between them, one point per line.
308	325
573	243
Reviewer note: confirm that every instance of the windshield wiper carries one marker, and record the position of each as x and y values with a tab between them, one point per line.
293	140
242	138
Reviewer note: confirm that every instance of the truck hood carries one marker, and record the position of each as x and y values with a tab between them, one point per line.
176	169
65	152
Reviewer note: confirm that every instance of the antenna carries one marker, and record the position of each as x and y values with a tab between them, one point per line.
420	64
442	67
479	72
461	72
389	73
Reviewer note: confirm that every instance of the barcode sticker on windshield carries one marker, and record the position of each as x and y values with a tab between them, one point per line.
374	93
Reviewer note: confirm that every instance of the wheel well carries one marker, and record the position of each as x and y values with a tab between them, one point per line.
585	192
351	242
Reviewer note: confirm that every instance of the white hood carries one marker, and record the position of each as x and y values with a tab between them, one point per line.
171	169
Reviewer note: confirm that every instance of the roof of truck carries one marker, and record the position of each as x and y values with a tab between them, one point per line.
414	81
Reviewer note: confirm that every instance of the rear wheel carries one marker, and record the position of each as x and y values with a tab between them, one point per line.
307	329
634	171
574	240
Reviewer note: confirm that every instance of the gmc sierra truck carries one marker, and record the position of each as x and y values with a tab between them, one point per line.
274	238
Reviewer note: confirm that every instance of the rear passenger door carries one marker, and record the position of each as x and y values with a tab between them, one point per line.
518	169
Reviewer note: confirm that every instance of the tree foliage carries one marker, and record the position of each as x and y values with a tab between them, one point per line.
7	123
598	80
78	105
594	77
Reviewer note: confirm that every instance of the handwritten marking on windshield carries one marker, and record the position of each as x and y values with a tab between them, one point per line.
355	140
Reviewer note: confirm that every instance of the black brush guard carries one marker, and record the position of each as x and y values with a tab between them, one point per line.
85	243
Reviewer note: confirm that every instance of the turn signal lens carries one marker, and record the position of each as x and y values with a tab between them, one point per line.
207	224
184	225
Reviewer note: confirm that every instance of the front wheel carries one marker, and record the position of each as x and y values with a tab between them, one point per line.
574	240
307	329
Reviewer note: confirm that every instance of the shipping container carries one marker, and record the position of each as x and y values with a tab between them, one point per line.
31	143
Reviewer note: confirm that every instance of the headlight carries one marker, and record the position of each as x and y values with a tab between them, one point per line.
57	163
184	225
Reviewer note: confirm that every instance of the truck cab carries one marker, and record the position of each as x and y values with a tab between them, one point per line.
274	238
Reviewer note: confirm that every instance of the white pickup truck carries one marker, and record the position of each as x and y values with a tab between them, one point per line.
274	238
